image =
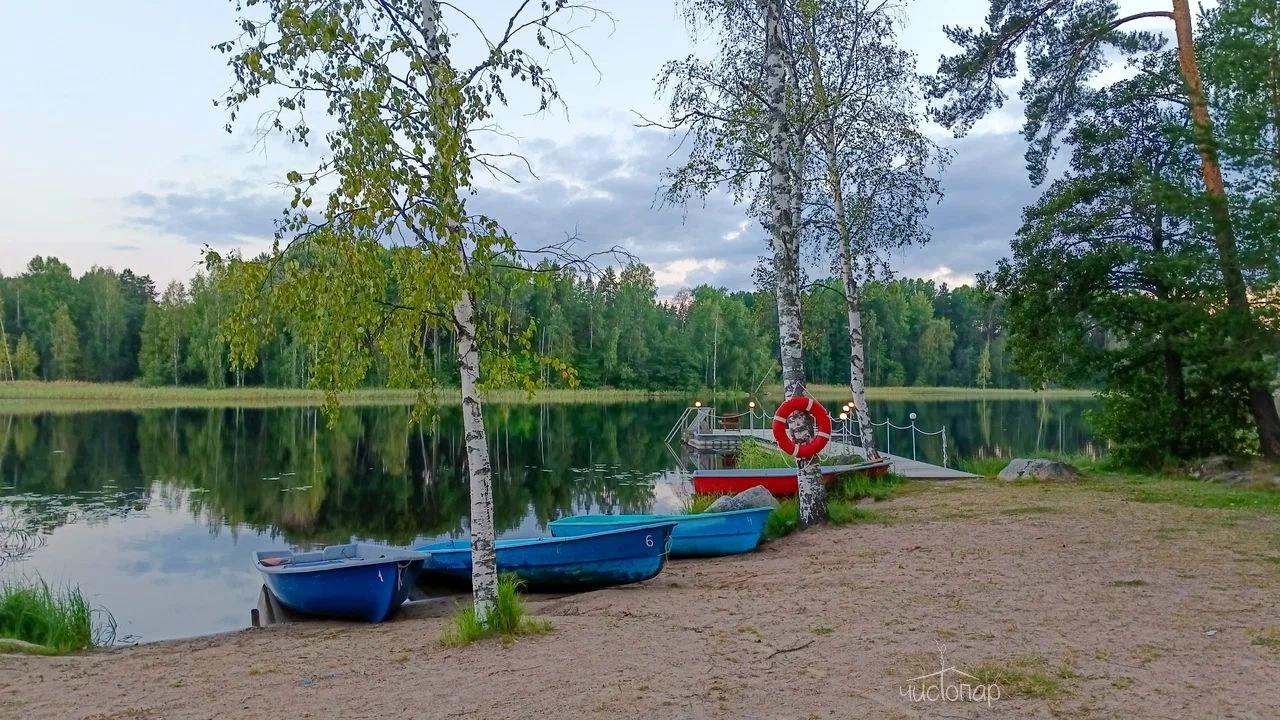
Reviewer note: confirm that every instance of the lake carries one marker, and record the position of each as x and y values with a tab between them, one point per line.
155	514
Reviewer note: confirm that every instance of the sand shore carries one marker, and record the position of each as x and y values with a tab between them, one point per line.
1076	603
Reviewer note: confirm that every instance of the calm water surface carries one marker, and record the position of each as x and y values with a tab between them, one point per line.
155	514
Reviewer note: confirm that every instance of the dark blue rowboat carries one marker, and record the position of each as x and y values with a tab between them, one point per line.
701	535
358	581
609	557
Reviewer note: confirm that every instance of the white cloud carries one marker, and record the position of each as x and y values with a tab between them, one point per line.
943	274
676	274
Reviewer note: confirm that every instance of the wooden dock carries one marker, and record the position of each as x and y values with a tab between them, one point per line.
720	440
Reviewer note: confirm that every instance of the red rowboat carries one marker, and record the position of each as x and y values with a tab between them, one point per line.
779	481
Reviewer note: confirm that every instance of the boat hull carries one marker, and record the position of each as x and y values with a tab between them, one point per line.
700	535
365	590
546	564
781	482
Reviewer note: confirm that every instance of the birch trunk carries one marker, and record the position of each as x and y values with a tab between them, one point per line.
844	235
857	353
484	559
853	301
784	202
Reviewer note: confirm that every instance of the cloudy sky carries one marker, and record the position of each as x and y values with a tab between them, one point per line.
113	153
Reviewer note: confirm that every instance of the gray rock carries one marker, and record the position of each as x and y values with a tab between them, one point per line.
1237	471
754	497
1037	469
1220	469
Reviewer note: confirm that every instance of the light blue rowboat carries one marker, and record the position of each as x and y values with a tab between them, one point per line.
610	556
357	581
699	535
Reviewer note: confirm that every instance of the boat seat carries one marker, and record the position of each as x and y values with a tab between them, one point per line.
339	552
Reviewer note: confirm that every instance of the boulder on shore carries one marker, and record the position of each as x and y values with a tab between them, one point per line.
1037	469
754	497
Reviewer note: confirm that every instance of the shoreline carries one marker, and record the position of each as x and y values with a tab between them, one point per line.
33	396
815	622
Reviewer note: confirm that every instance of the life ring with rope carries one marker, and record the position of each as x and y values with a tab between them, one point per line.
821	422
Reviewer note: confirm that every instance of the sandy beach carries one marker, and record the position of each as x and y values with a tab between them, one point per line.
1075	603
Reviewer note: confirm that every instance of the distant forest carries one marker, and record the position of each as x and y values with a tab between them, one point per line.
109	326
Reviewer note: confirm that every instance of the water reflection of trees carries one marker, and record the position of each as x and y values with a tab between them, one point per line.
375	474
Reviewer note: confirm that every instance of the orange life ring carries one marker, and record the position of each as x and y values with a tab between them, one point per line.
821	421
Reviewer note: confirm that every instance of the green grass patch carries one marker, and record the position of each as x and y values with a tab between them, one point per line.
1189	492
842	504
1022	676
756	455
49	622
990	467
987	467
783	520
1269	639
506	620
859	486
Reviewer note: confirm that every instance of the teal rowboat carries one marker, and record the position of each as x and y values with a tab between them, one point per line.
608	555
700	535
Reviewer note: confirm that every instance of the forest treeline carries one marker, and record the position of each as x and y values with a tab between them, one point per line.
108	326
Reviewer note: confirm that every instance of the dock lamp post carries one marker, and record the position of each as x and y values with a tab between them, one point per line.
913	435
752	406
844	419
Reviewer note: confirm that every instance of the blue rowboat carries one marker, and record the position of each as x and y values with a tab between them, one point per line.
701	535
357	581
612	556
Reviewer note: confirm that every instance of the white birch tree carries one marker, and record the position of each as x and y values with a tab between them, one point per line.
747	125
391	249
877	170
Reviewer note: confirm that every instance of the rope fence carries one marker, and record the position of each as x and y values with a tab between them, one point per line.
757	418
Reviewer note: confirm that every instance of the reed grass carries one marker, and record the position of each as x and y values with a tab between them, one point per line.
506	620
31	397
824	392
48	622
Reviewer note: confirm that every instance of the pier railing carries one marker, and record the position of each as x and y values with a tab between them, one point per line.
698	419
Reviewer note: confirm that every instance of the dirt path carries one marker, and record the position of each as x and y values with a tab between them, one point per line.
1076	603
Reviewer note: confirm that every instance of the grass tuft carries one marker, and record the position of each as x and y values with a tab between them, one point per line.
1269	639
1024	676
858	486
783	520
695	504
47	622
987	467
506	620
